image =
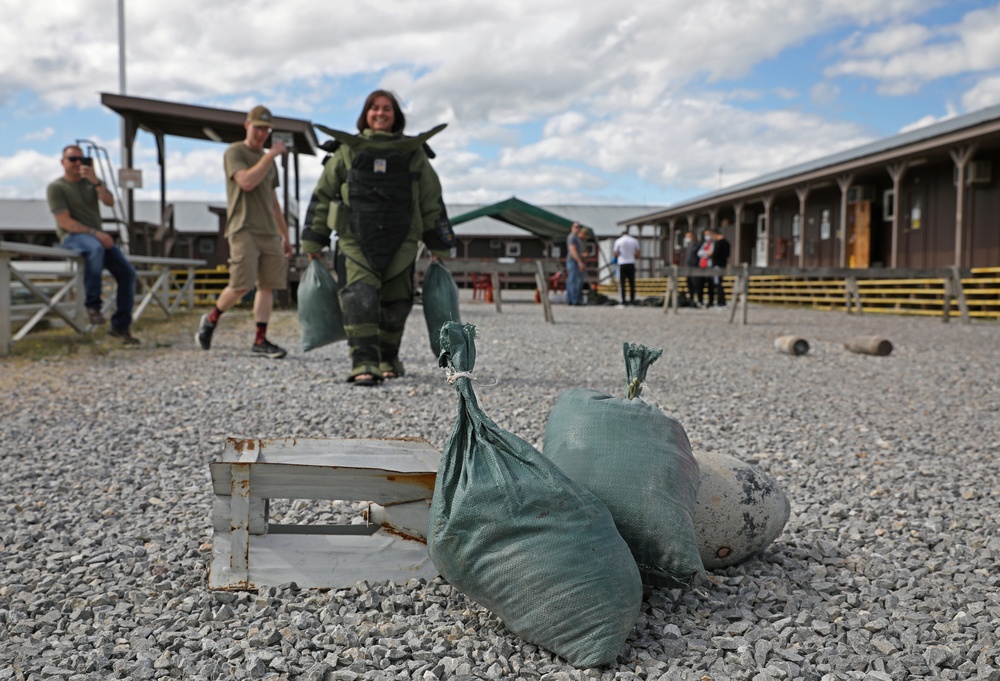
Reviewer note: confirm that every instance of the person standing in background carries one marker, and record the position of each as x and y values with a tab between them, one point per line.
720	260
627	250
691	246
574	265
705	263
255	228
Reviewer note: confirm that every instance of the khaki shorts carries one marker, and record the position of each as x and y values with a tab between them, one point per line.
256	260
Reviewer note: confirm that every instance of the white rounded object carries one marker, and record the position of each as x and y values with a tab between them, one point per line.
739	510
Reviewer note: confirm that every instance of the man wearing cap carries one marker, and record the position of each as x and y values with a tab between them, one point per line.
256	230
74	200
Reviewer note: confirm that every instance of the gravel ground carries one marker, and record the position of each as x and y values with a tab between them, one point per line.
887	568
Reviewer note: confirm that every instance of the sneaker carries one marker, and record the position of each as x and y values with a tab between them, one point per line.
267	349
124	336
204	335
94	316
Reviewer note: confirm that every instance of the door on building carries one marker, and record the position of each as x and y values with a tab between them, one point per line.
859	231
913	231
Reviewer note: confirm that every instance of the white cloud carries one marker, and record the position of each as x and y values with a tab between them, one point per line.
27	169
824	93
903	58
929	120
543	97
40	135
684	142
985	93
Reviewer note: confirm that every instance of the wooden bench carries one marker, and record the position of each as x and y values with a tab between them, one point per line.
158	281
248	551
50	286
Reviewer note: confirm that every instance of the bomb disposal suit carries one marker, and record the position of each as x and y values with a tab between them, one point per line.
380	195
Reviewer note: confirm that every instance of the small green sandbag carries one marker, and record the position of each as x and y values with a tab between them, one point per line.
440	301
638	461
320	317
514	534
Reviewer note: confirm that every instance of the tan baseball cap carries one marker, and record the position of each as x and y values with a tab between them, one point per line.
260	115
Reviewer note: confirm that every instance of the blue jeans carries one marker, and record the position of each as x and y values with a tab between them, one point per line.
96	259
574	283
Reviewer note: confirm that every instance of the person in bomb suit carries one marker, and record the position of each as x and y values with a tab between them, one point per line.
379	194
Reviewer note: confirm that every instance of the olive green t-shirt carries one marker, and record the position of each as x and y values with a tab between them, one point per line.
79	198
253	210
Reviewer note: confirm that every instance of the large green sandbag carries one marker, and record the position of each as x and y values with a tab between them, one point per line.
638	461
320	317
440	301
513	533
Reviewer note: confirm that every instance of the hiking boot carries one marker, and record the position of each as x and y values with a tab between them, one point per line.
204	335
94	316
267	349
124	336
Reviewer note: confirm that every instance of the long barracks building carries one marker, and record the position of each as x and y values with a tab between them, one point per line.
922	199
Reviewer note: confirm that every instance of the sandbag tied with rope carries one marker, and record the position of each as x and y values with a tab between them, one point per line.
439	298
320	316
514	534
638	461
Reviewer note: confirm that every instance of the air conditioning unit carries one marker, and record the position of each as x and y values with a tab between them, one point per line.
978	172
860	192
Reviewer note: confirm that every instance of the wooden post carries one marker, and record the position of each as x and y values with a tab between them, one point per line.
869	345
844	182
852	297
495	280
953	289
543	291
741	289
792	345
768	200
803	193
738	227
5	303
896	172
668	294
961	156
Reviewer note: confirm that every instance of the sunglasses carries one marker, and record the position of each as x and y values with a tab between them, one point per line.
75	159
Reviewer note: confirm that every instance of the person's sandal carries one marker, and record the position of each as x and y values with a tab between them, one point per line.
366	380
390	374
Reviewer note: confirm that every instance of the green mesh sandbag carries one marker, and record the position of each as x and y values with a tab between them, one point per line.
320	317
440	301
638	461
513	533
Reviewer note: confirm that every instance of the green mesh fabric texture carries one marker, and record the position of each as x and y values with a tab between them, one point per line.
440	301
320	317
638	461
513	533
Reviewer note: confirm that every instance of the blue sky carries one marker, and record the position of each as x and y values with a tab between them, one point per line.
627	102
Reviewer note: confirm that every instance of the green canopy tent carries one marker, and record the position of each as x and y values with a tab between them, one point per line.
514	211
537	221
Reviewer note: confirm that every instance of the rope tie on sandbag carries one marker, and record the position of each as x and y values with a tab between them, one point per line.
452	376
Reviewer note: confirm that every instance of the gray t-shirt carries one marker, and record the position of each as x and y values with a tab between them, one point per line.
573	240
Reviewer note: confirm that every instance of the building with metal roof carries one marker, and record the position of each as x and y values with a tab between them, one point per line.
924	198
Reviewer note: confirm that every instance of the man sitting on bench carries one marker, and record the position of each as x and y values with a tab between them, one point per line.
73	200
